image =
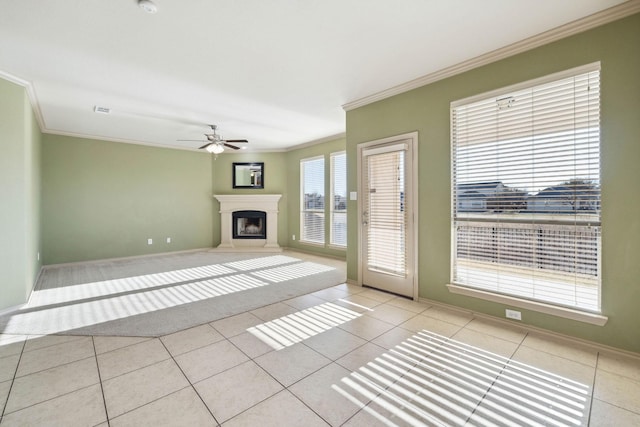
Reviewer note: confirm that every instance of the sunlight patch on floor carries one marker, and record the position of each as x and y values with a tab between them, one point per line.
66	308
294	328
289	272
431	379
264	262
109	287
69	317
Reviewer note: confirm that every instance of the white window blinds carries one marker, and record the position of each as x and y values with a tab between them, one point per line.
386	215
339	199
312	199
526	190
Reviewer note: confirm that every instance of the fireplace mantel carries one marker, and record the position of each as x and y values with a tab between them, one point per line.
230	203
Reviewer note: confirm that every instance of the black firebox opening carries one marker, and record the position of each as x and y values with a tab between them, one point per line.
249	225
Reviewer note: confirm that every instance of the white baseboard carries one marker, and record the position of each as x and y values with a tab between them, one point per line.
12	309
530	328
20	306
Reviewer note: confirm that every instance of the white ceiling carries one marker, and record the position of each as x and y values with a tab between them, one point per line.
276	72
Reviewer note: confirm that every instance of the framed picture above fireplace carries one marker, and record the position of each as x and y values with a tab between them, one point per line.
248	175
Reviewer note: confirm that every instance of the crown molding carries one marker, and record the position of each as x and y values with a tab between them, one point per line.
31	94
317	141
592	21
121	141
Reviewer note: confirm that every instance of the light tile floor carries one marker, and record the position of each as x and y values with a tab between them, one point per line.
344	356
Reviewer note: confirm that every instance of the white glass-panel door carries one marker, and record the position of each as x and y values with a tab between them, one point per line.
387	226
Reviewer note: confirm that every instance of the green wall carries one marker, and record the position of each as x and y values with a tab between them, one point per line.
275	182
105	199
20	195
293	173
426	110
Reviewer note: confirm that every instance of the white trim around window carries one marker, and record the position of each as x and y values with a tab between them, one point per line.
526	193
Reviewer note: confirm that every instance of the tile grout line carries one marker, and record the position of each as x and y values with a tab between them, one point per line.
150	402
125	346
35	337
188	381
15	373
57	366
50	399
593	388
104	400
484	396
138	368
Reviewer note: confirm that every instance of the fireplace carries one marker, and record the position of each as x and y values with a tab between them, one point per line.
249	224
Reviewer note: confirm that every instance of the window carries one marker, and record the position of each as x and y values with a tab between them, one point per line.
526	190
312	199
339	199
384	203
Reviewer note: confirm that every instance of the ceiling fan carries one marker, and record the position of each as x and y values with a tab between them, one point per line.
215	143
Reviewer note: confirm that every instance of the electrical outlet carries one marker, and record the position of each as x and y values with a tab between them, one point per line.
168	239
149	241
293	237
513	314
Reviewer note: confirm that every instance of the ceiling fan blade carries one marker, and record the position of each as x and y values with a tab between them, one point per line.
230	146
205	145
235	140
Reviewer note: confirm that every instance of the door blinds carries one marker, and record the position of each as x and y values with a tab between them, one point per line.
526	191
385	214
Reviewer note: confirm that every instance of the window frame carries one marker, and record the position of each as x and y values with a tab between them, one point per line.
576	313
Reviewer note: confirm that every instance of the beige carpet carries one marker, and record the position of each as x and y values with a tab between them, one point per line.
154	296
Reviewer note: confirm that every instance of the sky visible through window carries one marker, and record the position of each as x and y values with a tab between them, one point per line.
314	176
531	164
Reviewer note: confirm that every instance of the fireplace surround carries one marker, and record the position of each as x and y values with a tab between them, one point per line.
234	206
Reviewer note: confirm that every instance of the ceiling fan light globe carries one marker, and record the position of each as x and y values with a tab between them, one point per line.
215	148
148	6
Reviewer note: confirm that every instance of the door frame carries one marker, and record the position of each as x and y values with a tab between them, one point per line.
411	217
